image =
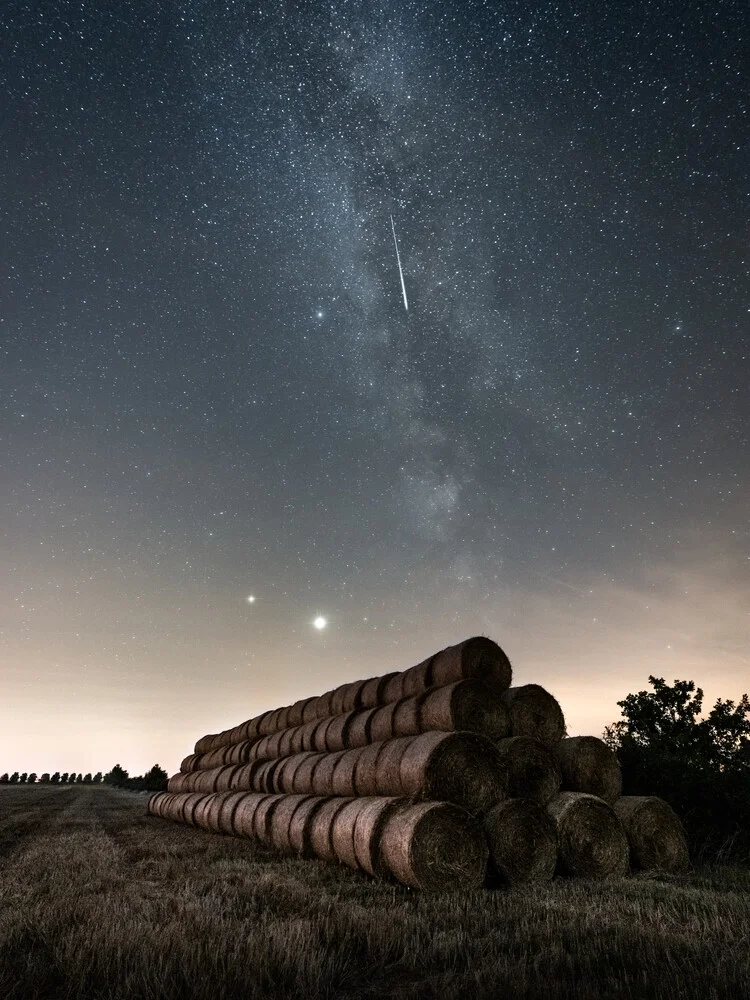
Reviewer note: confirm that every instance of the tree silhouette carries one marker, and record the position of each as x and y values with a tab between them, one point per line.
14	778
118	776
44	780
699	764
5	779
87	779
64	778
55	779
98	778
155	780
31	780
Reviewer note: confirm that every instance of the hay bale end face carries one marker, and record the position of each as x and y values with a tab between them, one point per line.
655	834
588	765
522	839
591	840
461	768
530	769
434	846
534	712
477	657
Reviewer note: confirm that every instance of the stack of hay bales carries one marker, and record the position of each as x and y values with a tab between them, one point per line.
440	776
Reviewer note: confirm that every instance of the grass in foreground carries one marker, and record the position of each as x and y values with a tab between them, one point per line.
99	900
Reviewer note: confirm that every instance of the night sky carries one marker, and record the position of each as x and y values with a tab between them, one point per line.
211	388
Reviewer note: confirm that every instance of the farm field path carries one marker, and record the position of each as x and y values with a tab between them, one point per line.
99	900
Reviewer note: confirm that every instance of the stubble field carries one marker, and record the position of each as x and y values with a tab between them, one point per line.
100	901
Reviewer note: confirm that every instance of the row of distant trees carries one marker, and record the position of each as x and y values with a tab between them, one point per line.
154	780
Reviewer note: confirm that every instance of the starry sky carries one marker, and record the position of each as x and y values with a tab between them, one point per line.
210	387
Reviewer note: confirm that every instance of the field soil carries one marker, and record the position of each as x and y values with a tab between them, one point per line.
99	901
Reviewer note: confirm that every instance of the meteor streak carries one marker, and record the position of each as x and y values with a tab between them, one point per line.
400	272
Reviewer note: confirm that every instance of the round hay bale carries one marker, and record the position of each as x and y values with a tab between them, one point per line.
282	778
461	768
320	737
352	701
241	753
477	657
176	783
270	723
342	833
360	730
200	815
321	781
387	778
406	716
213	811
281	821
393	689
300	825
263	816
271	745
371	694
381	723
590	837
152	806
337	731
296	711
168	806
245	777
283	719
243	817
365	769
187	807
321	826
417	679
296	740
342	781
304	775
192	762
655	835
337	699
434	846
529	768
306	732
226	810
323	706
286	737
223	780
204	743
310	710
262	778
371	817
588	765
534	712
469	706
522	839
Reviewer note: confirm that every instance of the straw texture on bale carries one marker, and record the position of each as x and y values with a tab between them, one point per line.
534	712
522	839
433	846
655	835
590	837
452	767
321	826
478	658
529	769
356	831
588	765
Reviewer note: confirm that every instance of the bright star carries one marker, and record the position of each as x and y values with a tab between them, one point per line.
320	622
251	599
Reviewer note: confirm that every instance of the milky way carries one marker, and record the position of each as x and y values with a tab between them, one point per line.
211	387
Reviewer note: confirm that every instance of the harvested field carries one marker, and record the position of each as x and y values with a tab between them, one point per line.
97	899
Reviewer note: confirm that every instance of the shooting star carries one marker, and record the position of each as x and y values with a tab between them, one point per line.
400	272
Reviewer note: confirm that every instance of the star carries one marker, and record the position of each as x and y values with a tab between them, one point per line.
320	622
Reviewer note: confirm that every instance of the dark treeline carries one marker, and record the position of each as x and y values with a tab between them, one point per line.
154	780
701	766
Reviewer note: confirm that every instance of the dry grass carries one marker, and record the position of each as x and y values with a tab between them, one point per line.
100	902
